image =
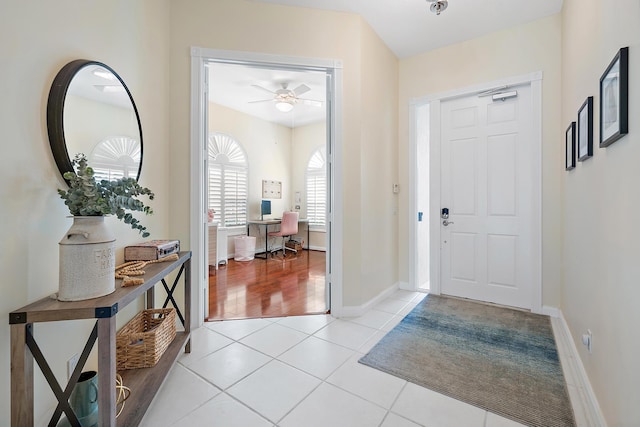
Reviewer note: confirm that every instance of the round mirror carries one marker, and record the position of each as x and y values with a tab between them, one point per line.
90	110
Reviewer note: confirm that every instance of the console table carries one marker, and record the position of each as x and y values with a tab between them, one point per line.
143	383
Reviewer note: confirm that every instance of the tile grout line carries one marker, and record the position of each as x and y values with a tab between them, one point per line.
356	352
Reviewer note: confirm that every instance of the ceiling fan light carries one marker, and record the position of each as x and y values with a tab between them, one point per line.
284	106
109	88
105	74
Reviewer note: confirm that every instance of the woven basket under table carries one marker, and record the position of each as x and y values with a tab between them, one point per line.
142	341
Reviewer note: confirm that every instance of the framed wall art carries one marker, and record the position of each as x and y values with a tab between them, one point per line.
614	99
570	147
271	189
584	125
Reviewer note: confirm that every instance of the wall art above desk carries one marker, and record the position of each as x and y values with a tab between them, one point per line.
271	189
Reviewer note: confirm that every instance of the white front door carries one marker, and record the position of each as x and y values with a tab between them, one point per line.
487	172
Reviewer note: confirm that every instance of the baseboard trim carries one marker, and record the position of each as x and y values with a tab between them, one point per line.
405	286
585	404
359	310
550	311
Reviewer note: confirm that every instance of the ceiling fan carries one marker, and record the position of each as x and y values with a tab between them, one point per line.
285	98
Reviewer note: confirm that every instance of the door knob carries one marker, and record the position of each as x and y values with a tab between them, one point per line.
446	222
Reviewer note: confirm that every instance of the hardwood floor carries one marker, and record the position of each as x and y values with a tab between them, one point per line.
274	287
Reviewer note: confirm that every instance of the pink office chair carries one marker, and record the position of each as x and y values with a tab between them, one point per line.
288	228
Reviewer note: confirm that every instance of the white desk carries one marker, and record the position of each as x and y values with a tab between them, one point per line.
266	223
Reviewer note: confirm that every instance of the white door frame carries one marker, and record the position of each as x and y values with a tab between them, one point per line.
535	80
197	207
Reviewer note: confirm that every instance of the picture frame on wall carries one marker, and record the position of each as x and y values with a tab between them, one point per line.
614	99
570	147
584	126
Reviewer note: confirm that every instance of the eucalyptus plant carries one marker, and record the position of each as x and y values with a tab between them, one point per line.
87	196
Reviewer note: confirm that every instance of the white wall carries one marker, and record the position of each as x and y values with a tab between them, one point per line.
88	122
601	200
305	141
423	195
38	39
516	51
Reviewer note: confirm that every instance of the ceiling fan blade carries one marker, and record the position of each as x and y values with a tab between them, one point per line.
311	102
303	88
260	100
264	89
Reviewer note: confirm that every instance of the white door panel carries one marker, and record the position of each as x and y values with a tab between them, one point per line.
463	265
501	179
501	254
486	177
464	176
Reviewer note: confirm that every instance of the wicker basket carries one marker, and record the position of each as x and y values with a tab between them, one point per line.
142	341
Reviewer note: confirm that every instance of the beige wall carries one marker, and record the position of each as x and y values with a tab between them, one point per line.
37	40
512	52
249	26
378	213
601	199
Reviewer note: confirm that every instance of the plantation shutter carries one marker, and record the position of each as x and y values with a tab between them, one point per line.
215	189
235	196
116	157
228	183
317	189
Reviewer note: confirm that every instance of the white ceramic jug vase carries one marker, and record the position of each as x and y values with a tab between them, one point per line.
87	260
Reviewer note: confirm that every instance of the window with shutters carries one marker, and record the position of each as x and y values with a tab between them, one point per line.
228	172
116	157
317	189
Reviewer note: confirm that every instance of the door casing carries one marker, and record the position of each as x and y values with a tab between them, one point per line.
434	101
198	156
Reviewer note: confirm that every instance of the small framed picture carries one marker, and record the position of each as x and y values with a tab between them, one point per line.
584	139
570	147
614	99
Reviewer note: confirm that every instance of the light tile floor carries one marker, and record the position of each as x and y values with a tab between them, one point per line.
302	372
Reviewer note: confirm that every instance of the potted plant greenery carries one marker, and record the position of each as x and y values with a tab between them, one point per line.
88	197
87	251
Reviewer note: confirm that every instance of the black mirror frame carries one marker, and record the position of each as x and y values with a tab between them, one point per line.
55	113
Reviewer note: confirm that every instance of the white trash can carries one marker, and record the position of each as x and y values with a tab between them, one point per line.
245	248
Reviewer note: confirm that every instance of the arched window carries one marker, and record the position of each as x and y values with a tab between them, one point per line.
317	189
116	157
227	180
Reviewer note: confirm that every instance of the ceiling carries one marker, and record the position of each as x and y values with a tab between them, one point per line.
99	84
406	26
232	86
409	28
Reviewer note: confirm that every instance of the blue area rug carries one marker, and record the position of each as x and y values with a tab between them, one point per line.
495	358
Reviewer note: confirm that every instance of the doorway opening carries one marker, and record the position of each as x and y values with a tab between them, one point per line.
253	152
422	128
266	150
